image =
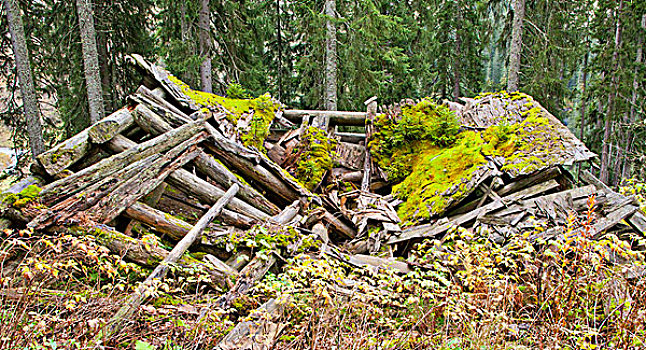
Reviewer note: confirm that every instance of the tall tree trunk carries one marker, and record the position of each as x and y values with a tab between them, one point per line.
90	59
584	85
458	52
23	67
516	45
625	173
106	71
204	22
610	111
330	57
279	41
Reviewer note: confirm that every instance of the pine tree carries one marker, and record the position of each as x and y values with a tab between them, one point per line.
23	67
516	45
90	59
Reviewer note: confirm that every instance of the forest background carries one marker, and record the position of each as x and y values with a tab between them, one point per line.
582	59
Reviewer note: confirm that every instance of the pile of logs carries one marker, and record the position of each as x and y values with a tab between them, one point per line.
162	162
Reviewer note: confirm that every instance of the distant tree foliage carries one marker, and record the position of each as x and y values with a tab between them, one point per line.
445	49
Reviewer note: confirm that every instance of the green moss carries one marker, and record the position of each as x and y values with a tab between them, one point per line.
431	166
262	111
22	198
438	177
316	157
395	141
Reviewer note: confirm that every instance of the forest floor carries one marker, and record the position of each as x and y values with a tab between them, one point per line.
506	297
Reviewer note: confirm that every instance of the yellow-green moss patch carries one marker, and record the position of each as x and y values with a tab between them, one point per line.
259	112
316	158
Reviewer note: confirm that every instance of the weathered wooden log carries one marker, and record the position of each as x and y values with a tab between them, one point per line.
65	153
162	222
154	124
119	190
136	299
71	185
105	129
194	186
239	159
209	193
335	117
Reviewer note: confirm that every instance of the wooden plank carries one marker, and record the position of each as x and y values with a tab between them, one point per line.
335	117
435	229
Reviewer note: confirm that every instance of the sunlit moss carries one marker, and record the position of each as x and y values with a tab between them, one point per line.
20	199
262	110
316	158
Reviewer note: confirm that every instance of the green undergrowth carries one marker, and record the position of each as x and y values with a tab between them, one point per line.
316	157
260	110
431	162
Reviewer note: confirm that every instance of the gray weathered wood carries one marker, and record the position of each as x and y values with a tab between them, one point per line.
137	298
105	129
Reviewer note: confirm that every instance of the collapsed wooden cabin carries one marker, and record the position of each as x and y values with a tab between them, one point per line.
402	174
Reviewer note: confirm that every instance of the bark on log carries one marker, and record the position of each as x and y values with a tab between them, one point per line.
137	298
162	222
71	185
153	123
105	129
65	153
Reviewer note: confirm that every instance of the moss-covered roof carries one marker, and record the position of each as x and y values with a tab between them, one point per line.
433	163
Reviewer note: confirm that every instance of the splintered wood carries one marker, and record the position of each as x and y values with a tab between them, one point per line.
166	159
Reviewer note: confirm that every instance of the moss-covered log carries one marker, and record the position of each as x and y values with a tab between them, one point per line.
114	124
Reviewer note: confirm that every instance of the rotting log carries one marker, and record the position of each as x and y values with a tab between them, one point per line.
238	160
335	117
115	192
209	193
71	185
155	124
105	129
139	296
162	222
65	153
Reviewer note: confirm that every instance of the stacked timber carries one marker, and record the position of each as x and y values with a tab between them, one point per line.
198	174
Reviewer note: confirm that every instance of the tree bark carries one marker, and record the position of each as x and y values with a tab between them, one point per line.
457	67
605	152
90	59
23	67
204	21
330	57
516	45
625	173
